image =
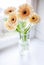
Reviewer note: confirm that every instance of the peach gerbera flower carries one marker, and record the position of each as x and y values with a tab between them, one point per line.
12	22
24	11
12	18
34	18
9	26
9	10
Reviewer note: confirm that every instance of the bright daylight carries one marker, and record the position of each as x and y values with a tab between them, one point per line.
21	32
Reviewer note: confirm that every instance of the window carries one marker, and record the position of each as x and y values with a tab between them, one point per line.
3	5
6	3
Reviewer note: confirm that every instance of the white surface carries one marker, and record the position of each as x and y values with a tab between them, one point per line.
9	39
11	56
40	27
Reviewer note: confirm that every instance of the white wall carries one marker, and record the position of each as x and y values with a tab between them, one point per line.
7	3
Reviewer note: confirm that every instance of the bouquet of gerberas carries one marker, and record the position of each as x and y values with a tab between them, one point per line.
21	21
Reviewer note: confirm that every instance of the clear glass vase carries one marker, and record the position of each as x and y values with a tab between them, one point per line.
24	44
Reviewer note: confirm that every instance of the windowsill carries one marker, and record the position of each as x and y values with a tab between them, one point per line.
8	39
35	57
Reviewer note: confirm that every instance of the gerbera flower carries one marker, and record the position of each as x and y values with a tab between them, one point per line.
12	22
9	26
24	11
34	18
9	10
12	18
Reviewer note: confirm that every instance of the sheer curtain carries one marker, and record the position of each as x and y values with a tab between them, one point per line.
40	27
35	4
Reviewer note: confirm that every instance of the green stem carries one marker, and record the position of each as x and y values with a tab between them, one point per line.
23	37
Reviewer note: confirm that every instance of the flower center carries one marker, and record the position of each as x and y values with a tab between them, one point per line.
10	11
33	18
12	19
24	12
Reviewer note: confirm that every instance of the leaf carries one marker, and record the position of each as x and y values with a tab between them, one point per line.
18	28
